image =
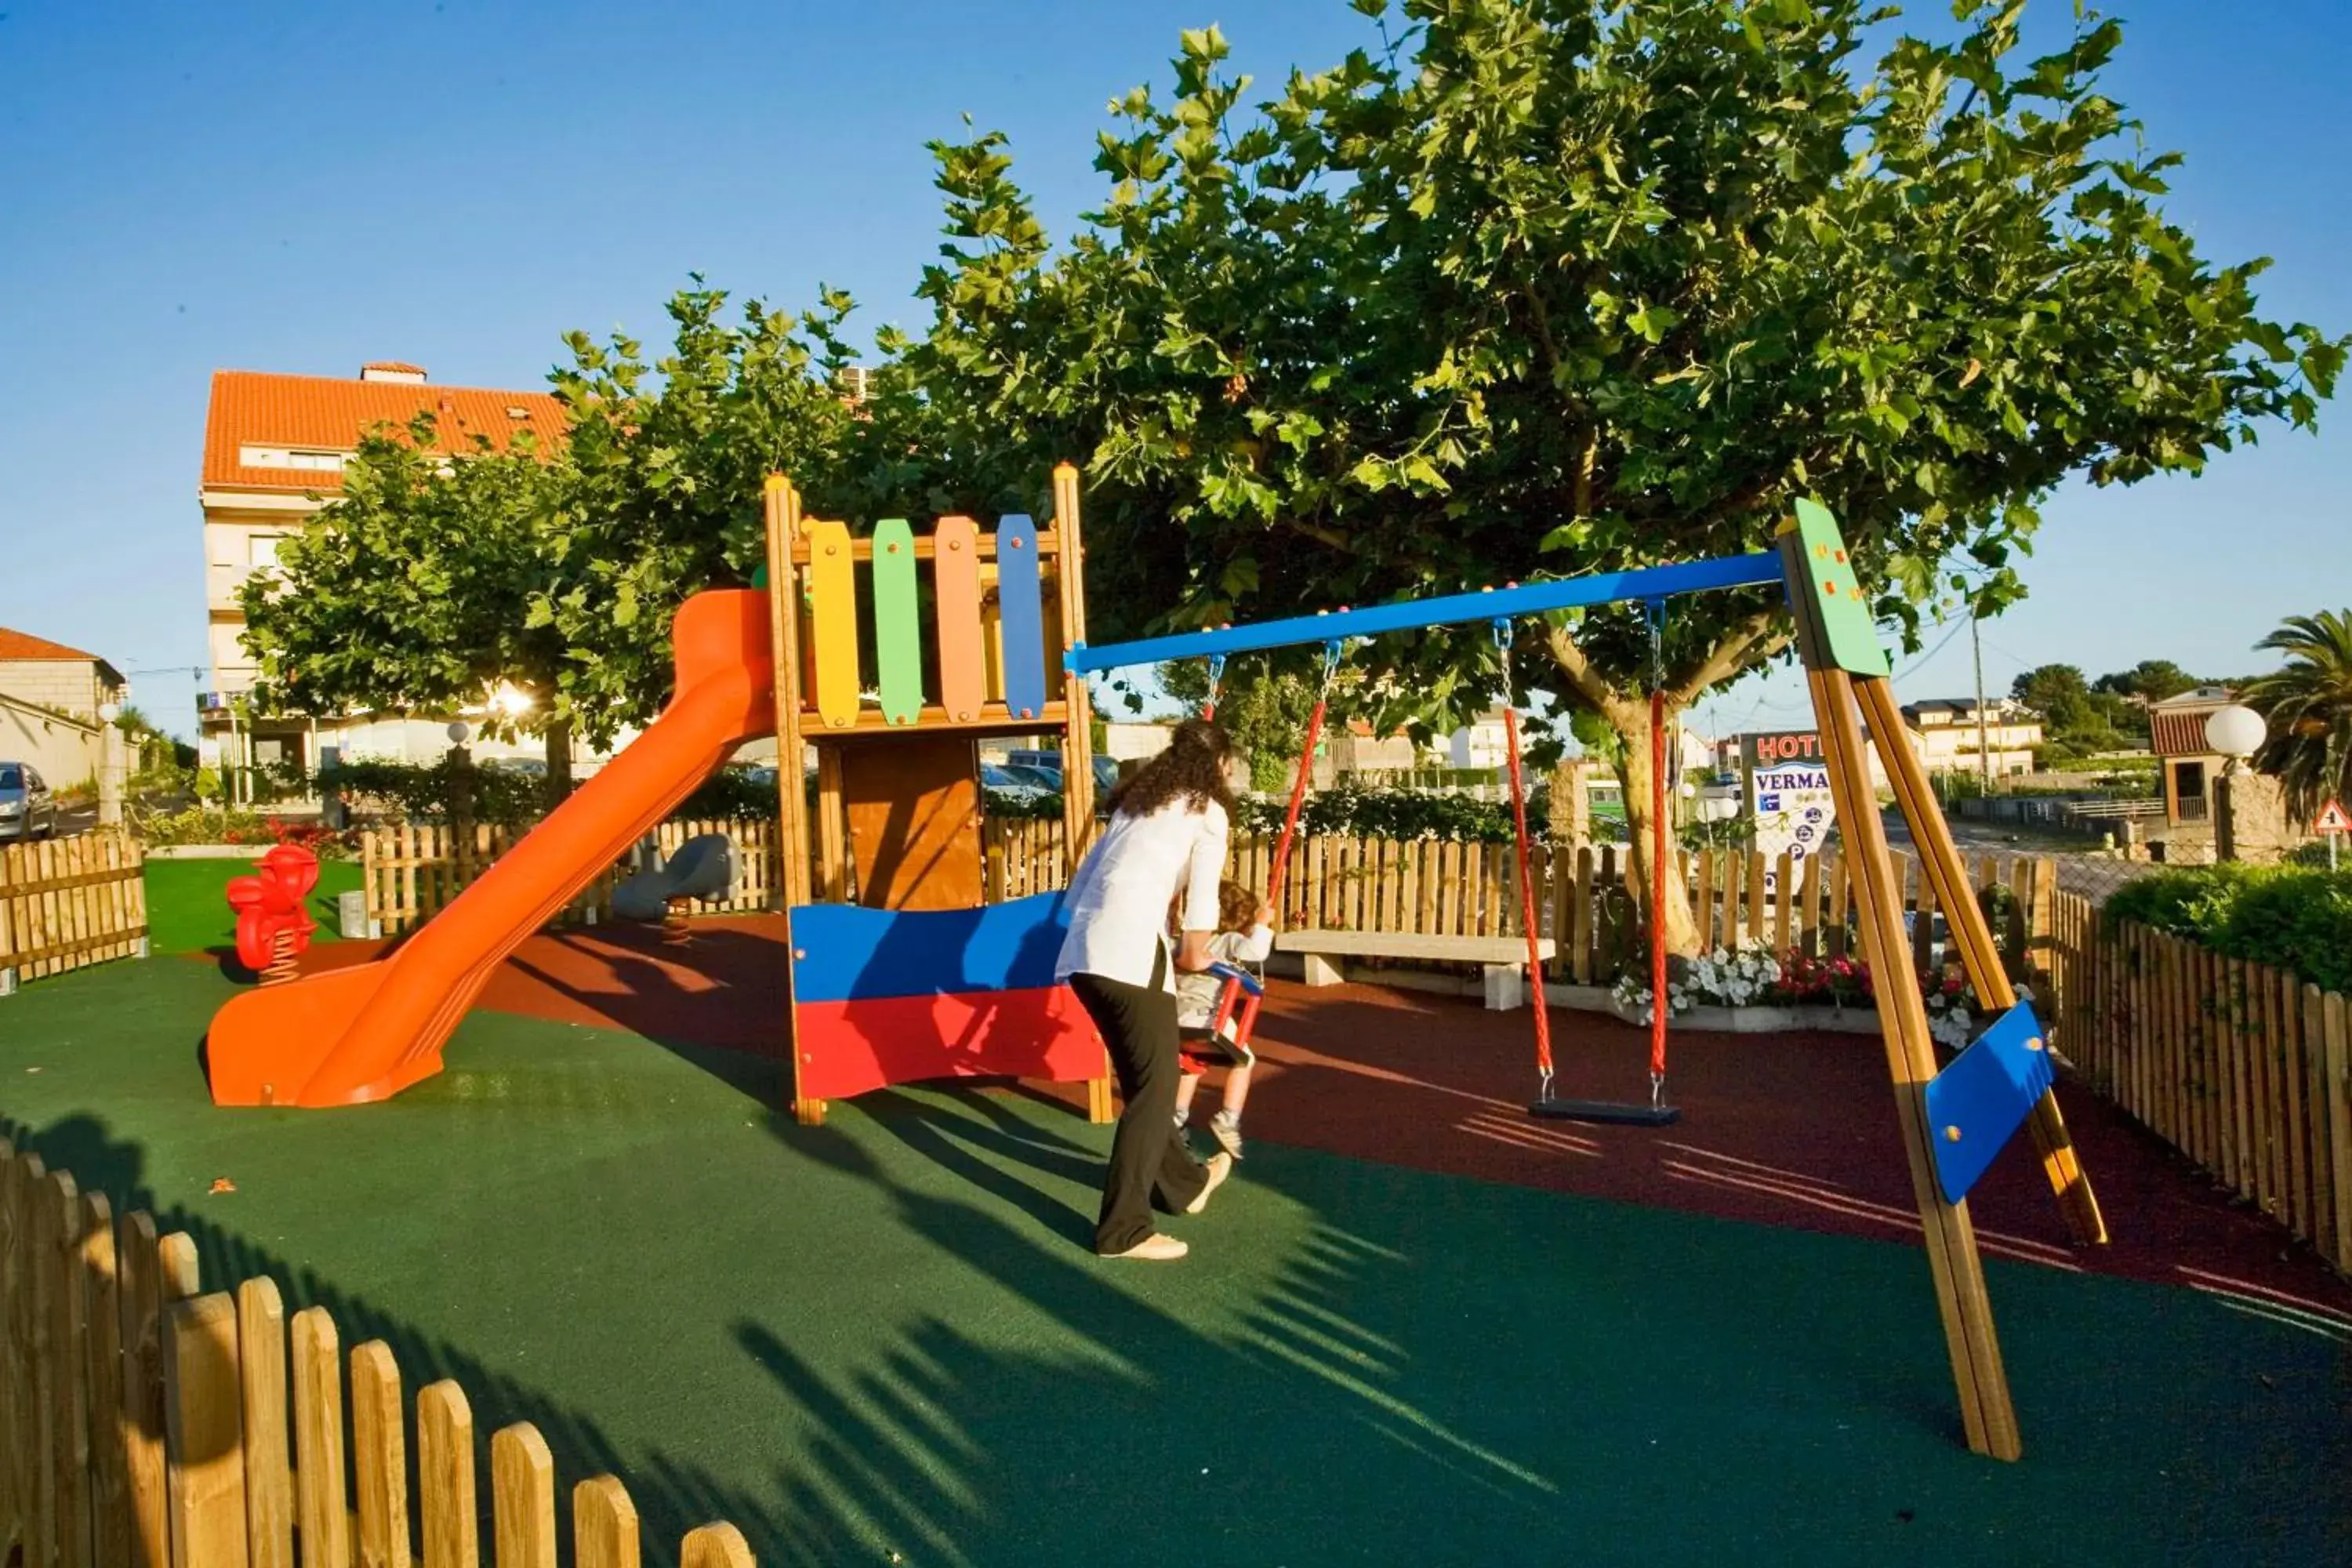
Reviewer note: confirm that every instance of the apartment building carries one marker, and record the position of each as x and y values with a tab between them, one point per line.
275	450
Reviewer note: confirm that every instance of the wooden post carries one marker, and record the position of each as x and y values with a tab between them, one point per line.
379	1457
783	511
714	1546
102	1312
204	1433
58	1233
603	1525
1986	1413
522	1499
269	1467
1077	719
318	1467
1943	870
444	1477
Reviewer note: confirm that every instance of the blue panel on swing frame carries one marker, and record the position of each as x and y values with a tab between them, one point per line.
1021	616
1984	1095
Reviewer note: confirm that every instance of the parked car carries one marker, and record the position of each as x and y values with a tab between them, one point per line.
1045	778
28	810
1000	781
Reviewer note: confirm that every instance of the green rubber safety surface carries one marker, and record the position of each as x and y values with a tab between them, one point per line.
187	901
886	1337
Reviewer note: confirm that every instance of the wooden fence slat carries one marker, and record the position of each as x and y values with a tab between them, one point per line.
319	1473
2329	1193
109	1495
19	1179
444	1477
2285	1021
603	1525
204	1424
714	1546
268	1468
44	1274
139	1258
379	1457
522	1499
2337	1031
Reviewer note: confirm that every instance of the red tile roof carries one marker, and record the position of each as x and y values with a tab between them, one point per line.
2180	732
397	366
24	645
330	414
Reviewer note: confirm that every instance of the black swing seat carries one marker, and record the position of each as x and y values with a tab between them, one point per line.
1608	1112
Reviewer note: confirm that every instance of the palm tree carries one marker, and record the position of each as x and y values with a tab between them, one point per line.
2307	705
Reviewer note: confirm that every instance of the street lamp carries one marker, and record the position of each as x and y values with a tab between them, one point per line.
2236	732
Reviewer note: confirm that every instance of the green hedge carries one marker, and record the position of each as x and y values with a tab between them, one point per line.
1396	814
2297	918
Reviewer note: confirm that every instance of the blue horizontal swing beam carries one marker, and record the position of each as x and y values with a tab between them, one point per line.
1410	614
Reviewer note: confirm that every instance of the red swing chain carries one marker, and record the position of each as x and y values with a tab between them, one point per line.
1298	783
1658	854
1526	870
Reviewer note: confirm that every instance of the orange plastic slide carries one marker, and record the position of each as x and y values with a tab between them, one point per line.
350	1035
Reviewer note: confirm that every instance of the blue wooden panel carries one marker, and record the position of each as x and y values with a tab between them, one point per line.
1979	1100
1019	602
844	953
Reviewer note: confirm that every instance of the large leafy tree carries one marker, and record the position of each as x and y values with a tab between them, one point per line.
430	580
412	592
2307	706
1546	286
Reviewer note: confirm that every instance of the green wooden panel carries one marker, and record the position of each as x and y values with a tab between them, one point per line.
1835	627
897	629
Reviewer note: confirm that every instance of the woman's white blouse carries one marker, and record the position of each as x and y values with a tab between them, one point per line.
1118	902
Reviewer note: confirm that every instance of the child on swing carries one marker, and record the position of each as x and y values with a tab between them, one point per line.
1244	936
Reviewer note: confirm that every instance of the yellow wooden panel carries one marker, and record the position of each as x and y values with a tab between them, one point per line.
832	620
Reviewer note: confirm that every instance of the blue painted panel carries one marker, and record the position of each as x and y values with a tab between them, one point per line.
1021	616
1984	1096
846	953
1227	973
1411	615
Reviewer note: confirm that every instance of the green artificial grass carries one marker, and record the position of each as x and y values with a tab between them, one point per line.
883	1340
187	901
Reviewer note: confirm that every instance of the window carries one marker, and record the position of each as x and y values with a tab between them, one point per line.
316	459
11	778
261	551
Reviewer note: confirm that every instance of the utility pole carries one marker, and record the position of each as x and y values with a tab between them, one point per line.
1984	754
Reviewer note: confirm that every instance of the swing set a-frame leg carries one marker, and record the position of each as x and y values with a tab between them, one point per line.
1939	858
1987	1414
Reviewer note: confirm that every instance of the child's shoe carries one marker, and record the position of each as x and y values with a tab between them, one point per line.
1225	1127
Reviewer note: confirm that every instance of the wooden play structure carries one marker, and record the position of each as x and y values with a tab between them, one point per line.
900	974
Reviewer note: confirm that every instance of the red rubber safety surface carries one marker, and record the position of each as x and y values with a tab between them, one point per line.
1794	1129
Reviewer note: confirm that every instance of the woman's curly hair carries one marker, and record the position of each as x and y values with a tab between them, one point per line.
1193	770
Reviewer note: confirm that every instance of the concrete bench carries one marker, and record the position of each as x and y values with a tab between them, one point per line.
1503	958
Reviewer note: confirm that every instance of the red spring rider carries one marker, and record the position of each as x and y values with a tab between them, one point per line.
273	927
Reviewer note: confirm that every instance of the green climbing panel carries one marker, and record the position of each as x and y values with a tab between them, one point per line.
898	634
1837	632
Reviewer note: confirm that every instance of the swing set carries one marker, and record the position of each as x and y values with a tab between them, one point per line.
1955	1118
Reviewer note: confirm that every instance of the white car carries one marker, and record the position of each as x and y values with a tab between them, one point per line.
28	810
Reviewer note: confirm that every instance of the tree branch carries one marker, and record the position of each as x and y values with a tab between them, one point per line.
1755	639
1573	662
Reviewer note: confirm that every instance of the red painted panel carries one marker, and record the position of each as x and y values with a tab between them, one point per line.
850	1047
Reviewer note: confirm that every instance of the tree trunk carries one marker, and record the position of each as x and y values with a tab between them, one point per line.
1572	809
1631	721
558	738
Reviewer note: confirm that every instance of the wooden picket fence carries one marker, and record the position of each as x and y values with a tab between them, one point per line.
1586	901
2242	1067
410	873
67	902
144	1423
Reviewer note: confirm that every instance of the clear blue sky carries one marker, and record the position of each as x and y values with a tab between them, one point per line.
298	186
